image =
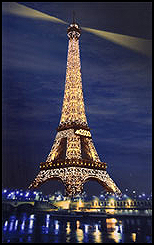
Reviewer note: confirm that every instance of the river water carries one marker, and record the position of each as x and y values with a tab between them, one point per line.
46	228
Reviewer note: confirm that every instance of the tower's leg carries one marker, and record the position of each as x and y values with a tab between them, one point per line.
73	184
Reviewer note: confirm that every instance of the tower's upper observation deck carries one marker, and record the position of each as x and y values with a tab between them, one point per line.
74	31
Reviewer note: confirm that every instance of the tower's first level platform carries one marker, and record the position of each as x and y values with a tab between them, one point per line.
73	163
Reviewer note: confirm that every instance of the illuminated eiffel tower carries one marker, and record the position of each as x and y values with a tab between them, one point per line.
73	158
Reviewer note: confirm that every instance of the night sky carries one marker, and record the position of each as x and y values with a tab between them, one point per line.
117	85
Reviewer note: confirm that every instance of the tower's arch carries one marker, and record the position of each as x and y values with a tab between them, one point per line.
50	187
97	183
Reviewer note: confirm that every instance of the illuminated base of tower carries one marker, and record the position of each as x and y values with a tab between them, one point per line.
74	178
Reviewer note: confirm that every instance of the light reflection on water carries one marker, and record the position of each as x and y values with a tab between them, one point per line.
32	228
116	228
97	234
79	232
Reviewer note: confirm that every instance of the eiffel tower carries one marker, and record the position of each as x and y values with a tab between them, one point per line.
73	158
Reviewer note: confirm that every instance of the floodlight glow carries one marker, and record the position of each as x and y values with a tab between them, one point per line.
140	45
23	11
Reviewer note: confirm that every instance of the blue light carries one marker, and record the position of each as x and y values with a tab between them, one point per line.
31	223
27	194
12	219
86	228
11	225
47	220
5	225
48	216
23	225
16	224
32	216
56	227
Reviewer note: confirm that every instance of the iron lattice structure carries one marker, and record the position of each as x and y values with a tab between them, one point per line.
73	158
